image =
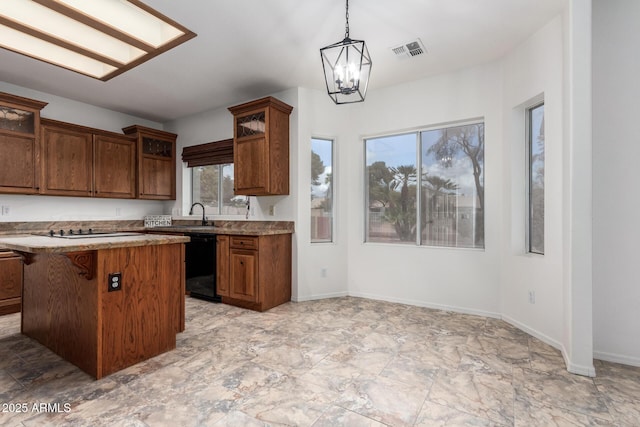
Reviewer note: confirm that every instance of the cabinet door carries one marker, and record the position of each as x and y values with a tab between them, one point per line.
115	167
251	166
244	275
157	169
156	179
222	266
10	284
18	164
67	162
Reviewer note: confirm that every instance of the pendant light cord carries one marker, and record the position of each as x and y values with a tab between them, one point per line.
346	27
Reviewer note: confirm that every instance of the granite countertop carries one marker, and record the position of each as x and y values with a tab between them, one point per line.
243	228
45	244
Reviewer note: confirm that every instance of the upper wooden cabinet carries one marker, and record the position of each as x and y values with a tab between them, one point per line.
261	147
19	144
114	166
44	156
156	162
67	160
81	161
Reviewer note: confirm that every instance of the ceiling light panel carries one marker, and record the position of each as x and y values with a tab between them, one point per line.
37	48
99	38
127	18
65	29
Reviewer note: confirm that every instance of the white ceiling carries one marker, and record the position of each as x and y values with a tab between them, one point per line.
247	49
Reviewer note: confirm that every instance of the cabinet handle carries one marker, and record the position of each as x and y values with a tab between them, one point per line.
241	262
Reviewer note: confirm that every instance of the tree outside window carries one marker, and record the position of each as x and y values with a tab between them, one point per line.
212	186
535	142
321	190
451	183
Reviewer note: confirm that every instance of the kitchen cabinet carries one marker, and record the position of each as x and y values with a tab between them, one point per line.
115	166
67	160
222	266
156	162
10	283
261	147
103	304
86	162
19	144
254	271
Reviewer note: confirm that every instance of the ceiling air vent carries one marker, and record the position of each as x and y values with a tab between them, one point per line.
409	49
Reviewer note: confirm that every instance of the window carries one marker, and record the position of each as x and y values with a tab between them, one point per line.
321	190
450	203
391	179
212	185
535	149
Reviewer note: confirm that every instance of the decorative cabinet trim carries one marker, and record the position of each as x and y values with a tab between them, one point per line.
85	262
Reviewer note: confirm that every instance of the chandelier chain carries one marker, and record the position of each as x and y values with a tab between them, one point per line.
346	27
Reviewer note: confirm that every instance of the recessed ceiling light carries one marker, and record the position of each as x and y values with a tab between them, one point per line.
98	38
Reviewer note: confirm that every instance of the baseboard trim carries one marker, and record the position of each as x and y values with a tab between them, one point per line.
417	303
585	371
319	296
534	333
617	358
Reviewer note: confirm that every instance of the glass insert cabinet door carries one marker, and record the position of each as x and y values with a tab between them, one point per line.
157	147
17	120
253	124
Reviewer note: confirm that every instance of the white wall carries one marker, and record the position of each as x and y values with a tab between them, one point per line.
533	72
459	279
616	236
52	208
320	118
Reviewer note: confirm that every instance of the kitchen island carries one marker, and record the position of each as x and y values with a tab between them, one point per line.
102	303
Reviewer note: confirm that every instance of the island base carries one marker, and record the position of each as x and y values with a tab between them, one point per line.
71	306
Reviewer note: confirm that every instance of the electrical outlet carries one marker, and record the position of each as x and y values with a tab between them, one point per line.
272	210
532	297
118	211
323	272
115	282
5	210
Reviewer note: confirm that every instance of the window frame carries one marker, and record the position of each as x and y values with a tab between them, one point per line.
529	178
333	190
211	210
419	182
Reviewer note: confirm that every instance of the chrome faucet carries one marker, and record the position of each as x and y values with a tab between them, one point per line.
204	219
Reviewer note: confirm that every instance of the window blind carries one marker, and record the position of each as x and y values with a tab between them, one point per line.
211	153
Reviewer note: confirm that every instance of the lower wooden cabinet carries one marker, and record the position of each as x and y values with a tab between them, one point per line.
222	265
10	283
254	271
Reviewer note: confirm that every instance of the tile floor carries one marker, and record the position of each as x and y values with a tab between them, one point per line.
335	362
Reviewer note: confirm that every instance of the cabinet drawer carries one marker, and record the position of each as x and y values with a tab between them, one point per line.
244	242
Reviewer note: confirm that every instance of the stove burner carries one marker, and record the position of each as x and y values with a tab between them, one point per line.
80	233
71	232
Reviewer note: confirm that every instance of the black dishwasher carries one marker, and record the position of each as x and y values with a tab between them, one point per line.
200	260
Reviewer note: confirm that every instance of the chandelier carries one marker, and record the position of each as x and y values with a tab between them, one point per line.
346	66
